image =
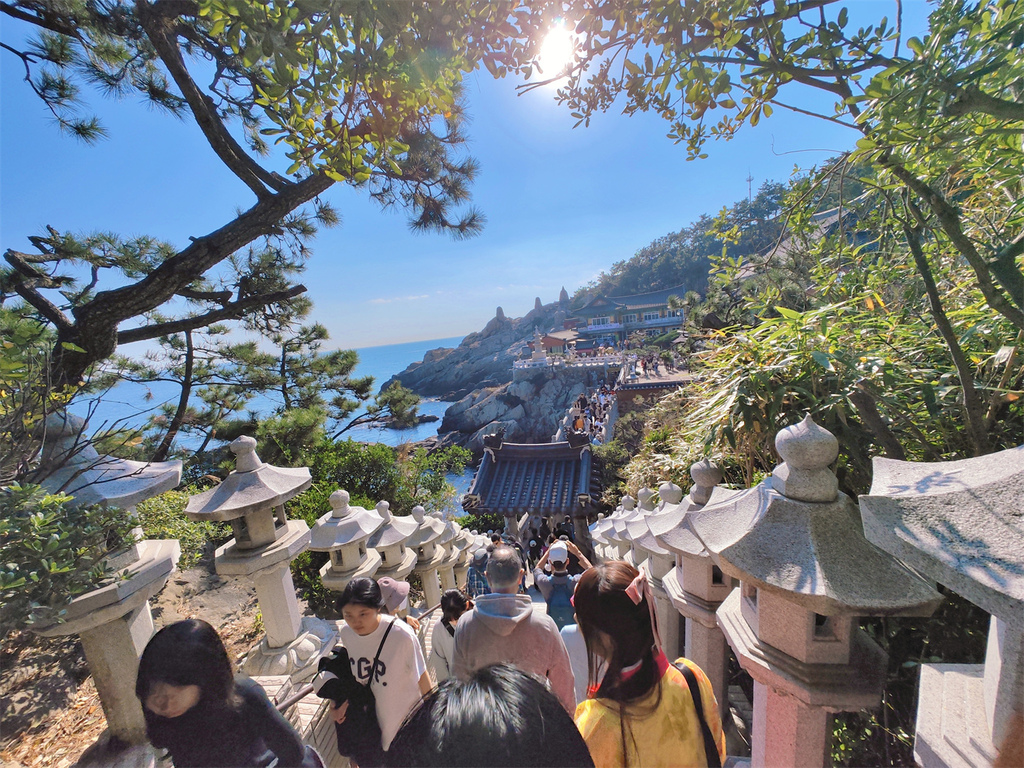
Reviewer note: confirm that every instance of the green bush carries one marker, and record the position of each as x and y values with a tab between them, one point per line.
163	517
51	552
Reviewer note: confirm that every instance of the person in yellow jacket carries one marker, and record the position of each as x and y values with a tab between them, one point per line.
639	711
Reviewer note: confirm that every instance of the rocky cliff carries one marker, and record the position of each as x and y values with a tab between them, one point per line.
478	376
528	410
483	359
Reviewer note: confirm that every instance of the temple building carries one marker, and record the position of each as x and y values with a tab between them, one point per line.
608	319
519	479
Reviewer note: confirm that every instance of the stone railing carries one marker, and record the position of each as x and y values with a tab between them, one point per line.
781	573
597	361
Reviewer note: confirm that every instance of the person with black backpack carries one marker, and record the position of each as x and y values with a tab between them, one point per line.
557	589
374	678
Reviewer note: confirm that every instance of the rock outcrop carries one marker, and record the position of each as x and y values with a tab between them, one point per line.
482	360
529	410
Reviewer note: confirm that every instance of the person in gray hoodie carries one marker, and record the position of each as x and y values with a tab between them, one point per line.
504	628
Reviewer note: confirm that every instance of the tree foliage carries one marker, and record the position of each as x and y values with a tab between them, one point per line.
940	117
50	552
683	258
364	93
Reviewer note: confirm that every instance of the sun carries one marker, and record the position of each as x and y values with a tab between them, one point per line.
557	52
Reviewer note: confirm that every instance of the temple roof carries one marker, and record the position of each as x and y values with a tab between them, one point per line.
636	301
545	478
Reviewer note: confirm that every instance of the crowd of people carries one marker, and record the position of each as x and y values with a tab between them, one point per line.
589	415
502	685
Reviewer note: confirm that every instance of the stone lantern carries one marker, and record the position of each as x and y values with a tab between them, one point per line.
656	561
634	523
962	524
456	545
252	499
615	535
114	620
396	560
597	539
695	585
343	532
425	541
463	544
806	574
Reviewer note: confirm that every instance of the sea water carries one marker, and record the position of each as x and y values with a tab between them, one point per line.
130	404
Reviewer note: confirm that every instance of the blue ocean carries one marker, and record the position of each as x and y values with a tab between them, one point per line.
130	404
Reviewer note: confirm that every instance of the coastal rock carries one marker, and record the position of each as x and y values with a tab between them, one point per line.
484	357
529	409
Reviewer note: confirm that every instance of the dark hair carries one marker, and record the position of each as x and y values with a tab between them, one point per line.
361	591
501	716
187	652
453	604
602	606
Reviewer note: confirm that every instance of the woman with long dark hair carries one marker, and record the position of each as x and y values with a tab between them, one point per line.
201	713
639	710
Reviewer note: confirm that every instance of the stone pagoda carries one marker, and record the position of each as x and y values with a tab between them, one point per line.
425	541
343	532
806	575
962	524
396	560
251	498
114	621
695	585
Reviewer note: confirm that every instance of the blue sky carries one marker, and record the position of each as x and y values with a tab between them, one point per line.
561	204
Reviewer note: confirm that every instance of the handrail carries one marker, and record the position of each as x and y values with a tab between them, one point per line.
295	698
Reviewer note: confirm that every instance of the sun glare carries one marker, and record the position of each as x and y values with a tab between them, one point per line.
557	52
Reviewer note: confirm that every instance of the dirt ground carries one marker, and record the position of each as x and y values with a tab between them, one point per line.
49	709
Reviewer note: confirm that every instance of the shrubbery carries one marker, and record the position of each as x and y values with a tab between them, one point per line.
51	552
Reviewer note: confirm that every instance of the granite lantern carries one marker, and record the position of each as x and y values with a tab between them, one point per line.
616	535
695	585
343	533
656	561
251	498
396	560
425	541
962	524
114	620
806	574
464	546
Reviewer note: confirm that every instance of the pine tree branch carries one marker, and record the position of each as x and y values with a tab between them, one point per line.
231	311
157	27
47	21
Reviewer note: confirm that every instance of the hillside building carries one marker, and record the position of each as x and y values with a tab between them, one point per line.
611	319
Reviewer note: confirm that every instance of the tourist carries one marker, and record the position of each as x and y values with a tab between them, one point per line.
442	640
557	589
476	577
400	675
500	716
396	598
201	713
504	628
640	711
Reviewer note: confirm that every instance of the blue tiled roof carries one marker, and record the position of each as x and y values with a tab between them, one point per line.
543	478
